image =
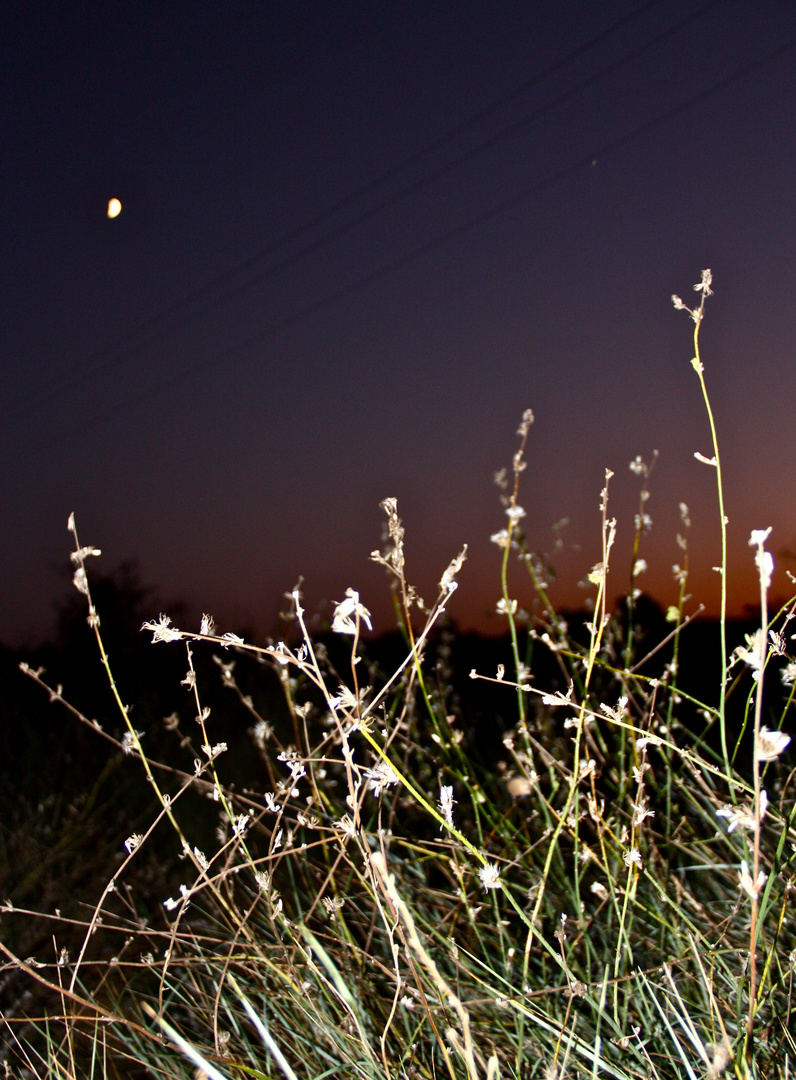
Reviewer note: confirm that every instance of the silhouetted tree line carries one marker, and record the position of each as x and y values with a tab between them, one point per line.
59	771
45	749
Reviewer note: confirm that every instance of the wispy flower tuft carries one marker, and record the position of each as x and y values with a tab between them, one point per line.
749	886
770	744
162	630
704	284
446	802
489	876
380	777
349	613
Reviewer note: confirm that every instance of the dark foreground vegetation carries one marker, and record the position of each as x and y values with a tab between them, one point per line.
572	901
567	852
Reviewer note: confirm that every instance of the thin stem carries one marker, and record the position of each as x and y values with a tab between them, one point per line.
760	559
699	368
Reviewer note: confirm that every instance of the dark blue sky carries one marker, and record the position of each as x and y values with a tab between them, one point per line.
357	240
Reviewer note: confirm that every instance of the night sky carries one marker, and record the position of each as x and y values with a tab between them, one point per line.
356	241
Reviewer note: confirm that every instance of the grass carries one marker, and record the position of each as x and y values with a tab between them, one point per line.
611	897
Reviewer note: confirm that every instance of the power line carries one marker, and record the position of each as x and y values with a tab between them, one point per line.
426	248
102	359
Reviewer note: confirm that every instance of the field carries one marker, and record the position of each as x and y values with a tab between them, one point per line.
594	879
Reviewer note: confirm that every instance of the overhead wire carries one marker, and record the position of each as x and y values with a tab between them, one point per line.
85	369
417	252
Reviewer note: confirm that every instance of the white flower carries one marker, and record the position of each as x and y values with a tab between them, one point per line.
764	561
82	553
632	857
759	536
751	888
162	630
756	646
489	876
704	285
448	580
743	816
381	777
280	653
294	763
720	1056
171	904
788	674
80	581
736	816
618	712
446	802
348	614
597	573
346	826
132	842
261	733
641	811
770	744
519	787
346	698
647	740
527	420
586	768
